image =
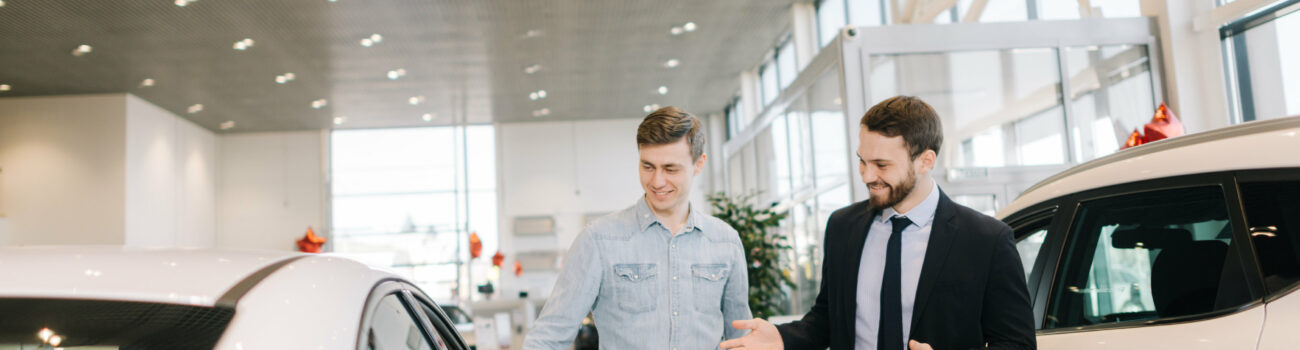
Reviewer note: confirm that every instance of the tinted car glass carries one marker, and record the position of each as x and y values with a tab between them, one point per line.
393	327
75	324
1273	218
1145	256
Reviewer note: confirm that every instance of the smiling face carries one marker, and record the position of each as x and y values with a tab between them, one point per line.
888	169
667	172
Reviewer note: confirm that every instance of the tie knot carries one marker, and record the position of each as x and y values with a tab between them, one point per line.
900	222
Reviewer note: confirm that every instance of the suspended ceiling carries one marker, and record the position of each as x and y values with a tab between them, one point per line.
470	59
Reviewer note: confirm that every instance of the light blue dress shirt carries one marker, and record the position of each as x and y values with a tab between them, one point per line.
648	288
871	271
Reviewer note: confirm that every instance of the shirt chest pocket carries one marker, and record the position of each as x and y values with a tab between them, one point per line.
634	285
709	280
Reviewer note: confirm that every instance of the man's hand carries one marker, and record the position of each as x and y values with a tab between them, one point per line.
762	336
916	345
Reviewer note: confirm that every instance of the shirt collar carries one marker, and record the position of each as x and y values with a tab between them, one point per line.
646	217
921	215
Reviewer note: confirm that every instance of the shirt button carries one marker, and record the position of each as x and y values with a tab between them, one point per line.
674	278
674	313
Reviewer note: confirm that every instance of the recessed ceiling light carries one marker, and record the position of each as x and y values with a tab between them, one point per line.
532	96
367	42
541	93
45	334
243	44
55	340
396	74
2	3
689	26
428	117
415	100
676	31
227	125
318	104
672	63
650	107
533	33
146	83
376	38
663	90
280	79
542	112
182	3
5	87
82	50
198	107
533	68
339	120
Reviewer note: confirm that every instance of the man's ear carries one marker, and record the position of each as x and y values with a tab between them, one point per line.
927	160
699	163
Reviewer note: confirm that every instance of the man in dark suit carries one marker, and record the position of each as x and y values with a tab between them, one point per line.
908	268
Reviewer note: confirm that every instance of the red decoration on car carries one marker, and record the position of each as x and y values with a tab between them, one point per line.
310	243
1162	126
475	246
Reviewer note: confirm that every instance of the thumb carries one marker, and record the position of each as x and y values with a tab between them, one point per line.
745	324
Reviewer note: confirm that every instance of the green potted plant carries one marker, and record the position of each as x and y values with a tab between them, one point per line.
763	248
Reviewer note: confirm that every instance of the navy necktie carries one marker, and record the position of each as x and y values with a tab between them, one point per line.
890	335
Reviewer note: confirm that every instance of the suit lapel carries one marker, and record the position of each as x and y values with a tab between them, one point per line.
942	233
859	238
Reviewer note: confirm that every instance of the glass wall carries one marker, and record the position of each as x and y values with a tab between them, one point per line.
1003	108
1263	63
799	162
407	199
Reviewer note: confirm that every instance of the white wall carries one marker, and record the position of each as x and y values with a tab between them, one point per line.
62	162
566	170
170	179
271	187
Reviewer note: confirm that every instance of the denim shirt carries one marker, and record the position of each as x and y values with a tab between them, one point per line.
645	287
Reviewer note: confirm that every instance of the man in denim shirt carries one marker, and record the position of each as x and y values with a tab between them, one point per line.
660	274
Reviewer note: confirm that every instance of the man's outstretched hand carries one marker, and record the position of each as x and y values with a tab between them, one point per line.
916	345
762	336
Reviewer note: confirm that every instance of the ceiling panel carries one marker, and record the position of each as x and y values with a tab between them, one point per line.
597	59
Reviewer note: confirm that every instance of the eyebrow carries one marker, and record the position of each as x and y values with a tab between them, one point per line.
872	160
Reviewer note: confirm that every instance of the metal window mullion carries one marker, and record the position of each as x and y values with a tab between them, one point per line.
1245	91
1067	108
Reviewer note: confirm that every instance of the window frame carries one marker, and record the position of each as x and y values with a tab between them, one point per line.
383	289
1069	213
1039	280
1236	62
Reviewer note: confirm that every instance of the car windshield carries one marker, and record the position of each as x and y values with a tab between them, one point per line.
98	324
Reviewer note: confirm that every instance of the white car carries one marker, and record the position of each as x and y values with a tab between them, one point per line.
111	297
1186	243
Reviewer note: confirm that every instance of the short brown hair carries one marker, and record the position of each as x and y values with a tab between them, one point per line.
668	125
909	117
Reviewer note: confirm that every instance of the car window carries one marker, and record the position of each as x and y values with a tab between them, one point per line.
456	315
1030	241
1145	256
1273	218
393	327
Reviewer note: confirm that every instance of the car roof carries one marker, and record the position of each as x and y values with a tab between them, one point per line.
198	277
1253	145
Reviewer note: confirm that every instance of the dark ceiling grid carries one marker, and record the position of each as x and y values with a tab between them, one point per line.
600	59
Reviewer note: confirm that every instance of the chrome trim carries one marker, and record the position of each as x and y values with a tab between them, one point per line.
1244	129
1153	322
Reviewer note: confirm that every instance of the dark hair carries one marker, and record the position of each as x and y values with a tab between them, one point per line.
909	117
668	125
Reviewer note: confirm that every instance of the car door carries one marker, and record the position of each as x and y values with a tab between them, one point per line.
1034	229
1271	204
1156	264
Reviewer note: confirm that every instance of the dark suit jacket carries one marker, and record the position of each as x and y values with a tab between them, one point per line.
971	292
